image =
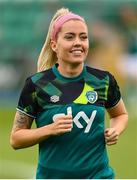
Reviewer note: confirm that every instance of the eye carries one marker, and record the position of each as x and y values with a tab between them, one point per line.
69	37
83	37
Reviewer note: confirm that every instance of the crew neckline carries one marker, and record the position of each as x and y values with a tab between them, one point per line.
68	79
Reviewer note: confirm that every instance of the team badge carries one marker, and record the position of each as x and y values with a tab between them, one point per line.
91	96
54	98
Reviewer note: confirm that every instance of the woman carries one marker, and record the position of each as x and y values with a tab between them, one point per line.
68	100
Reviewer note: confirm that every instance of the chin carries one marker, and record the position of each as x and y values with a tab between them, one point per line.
77	60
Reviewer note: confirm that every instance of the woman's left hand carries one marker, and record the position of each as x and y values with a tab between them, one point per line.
111	136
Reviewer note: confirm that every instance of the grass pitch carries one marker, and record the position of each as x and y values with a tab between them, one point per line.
22	163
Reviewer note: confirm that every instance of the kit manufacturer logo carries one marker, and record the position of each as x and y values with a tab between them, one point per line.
54	98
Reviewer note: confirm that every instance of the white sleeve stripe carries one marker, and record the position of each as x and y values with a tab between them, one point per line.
25	113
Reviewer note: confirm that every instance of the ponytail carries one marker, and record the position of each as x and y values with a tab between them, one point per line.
47	57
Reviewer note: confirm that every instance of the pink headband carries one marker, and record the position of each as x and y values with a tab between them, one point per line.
61	20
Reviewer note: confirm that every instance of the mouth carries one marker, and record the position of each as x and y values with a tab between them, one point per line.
76	51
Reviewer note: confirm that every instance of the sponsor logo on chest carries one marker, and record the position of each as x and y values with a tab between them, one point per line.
77	117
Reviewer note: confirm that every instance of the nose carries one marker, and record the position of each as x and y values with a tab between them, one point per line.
77	41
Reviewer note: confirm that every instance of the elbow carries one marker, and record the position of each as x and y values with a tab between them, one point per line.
14	143
126	119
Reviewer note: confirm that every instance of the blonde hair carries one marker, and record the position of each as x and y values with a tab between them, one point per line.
47	57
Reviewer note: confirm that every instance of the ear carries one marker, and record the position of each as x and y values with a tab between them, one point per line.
53	45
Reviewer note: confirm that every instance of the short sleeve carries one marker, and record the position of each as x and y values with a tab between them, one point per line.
27	101
113	95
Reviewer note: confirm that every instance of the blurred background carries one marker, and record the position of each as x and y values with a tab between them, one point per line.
113	47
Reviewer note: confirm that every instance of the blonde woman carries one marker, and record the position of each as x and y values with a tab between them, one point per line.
68	101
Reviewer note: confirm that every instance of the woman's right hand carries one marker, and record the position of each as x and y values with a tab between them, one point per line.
62	124
23	136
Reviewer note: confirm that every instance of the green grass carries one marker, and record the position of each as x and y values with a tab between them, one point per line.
22	163
14	163
123	156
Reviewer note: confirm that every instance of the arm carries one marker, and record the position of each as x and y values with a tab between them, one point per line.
23	136
118	122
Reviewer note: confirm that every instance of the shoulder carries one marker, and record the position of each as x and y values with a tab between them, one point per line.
100	74
46	75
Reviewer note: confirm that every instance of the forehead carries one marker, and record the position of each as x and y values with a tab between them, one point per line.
74	26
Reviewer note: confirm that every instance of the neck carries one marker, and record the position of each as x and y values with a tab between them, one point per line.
70	70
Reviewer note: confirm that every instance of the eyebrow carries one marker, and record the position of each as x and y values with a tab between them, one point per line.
71	33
